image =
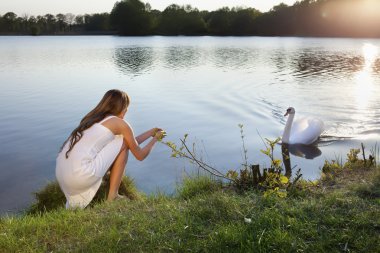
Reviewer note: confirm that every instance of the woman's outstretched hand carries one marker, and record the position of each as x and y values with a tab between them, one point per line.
158	133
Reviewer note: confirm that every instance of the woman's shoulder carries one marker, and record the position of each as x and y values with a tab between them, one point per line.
116	124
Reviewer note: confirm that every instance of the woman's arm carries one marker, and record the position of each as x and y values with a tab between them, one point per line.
140	153
119	126
137	151
144	136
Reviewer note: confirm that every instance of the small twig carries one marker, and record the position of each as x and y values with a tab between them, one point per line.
261	138
193	158
203	165
365	162
204	148
244	148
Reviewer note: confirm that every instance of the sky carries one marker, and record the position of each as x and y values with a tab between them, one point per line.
41	7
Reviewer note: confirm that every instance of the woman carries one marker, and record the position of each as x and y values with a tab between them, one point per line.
100	143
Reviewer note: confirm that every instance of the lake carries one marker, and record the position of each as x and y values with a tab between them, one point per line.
201	86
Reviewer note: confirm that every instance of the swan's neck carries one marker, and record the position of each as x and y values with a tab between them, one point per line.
288	127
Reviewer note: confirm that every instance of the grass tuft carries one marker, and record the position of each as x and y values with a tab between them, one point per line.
52	198
372	189
192	187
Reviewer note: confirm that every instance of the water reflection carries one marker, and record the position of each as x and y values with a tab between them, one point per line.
304	151
364	78
286	159
182	57
135	61
234	58
376	66
370	53
316	63
280	60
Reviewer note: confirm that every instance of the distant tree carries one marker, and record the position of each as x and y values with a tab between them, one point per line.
32	26
243	21
97	22
219	22
171	21
194	24
79	20
22	24
1	24
69	20
280	20
10	19
155	16
50	23
176	20
41	22
32	20
61	24
131	17
148	7
279	7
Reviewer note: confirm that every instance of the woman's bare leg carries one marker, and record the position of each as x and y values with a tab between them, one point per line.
117	172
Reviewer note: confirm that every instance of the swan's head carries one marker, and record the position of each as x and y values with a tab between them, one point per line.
290	110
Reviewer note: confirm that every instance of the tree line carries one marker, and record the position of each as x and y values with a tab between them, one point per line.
337	18
50	24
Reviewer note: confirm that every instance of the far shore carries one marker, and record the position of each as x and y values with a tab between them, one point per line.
115	33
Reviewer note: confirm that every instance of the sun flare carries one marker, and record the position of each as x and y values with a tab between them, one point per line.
364	79
369	53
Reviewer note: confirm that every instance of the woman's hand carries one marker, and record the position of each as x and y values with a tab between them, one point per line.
154	131
160	134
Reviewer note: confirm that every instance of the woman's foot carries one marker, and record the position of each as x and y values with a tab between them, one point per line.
120	197
117	197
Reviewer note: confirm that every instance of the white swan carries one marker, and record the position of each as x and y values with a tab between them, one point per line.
302	131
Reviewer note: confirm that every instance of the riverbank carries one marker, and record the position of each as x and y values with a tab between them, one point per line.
341	212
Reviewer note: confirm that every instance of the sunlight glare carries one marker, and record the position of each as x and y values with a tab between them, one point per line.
364	79
370	53
364	88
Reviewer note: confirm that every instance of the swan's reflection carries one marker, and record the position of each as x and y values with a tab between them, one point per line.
286	159
304	151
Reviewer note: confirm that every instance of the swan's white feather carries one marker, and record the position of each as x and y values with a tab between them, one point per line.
305	131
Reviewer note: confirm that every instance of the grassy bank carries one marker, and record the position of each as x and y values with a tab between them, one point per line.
340	213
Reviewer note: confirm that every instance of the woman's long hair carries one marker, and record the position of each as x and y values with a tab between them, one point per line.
113	102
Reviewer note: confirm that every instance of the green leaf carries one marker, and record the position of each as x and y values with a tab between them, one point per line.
284	180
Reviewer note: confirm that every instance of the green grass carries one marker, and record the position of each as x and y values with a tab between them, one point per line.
51	197
205	217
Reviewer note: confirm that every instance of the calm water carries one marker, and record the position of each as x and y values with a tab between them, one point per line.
203	86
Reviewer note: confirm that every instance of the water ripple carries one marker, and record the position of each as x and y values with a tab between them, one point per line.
176	58
309	64
135	61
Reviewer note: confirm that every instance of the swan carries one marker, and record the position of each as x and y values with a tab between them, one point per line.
304	131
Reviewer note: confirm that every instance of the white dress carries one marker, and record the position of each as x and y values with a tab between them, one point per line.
80	175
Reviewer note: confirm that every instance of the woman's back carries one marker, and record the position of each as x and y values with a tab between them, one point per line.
87	162
92	142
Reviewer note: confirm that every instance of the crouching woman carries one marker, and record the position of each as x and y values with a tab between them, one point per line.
101	142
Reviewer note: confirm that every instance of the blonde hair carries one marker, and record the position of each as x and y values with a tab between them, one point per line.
113	102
